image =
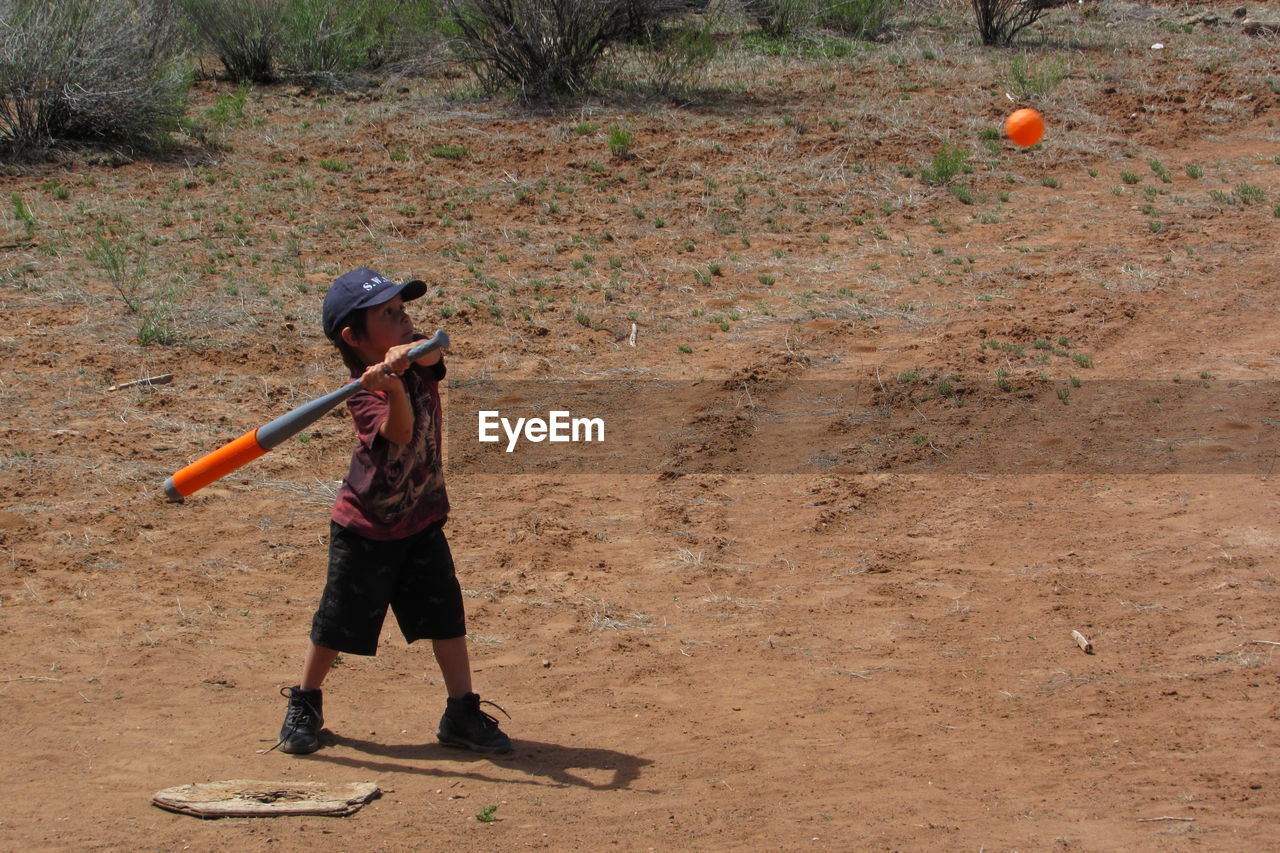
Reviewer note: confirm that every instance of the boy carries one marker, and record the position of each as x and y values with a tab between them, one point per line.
386	545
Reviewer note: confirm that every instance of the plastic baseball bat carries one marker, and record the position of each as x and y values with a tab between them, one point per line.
252	444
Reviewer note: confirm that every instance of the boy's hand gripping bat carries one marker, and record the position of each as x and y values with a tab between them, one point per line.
256	442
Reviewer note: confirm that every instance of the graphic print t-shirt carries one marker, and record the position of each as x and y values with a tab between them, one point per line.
395	490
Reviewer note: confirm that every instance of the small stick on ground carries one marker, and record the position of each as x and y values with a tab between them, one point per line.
163	379
1153	819
1083	642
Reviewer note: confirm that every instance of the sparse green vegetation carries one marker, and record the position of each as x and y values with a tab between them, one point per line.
229	107
1034	78
1250	194
23	215
1160	171
123	272
858	18
949	162
156	328
448	152
621	139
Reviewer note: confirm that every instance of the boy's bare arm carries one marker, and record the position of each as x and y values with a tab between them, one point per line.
430	358
398	425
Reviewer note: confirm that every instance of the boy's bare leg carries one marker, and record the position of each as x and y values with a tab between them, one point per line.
455	665
464	724
316	666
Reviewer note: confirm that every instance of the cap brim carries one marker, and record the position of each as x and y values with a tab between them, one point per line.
412	290
408	291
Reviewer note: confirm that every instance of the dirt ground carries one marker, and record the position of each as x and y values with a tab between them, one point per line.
924	432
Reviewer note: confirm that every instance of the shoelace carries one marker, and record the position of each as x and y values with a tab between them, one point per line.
302	712
489	719
300	715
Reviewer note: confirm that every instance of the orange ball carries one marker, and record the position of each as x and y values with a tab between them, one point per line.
1025	127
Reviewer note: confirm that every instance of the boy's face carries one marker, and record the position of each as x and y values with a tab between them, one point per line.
386	325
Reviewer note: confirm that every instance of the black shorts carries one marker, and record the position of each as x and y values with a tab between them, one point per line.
413	575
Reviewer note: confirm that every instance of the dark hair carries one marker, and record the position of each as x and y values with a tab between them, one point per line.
357	321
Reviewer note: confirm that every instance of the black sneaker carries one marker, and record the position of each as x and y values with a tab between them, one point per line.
300	734
465	726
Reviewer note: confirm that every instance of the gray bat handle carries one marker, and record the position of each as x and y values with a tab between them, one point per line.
291	423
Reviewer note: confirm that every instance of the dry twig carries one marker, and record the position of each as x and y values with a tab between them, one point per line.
163	379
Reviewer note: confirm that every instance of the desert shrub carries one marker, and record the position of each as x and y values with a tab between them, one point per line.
543	48
322	37
781	17
858	18
333	37
409	32
675	57
260	40
1000	20
89	70
245	35
640	16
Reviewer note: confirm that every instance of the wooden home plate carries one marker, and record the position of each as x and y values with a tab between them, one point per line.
251	798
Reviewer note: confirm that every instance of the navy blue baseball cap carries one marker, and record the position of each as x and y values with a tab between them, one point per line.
362	288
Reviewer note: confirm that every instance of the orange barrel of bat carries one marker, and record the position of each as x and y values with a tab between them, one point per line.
217	464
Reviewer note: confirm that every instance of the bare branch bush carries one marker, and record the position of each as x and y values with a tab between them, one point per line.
545	49
1000	20
89	70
